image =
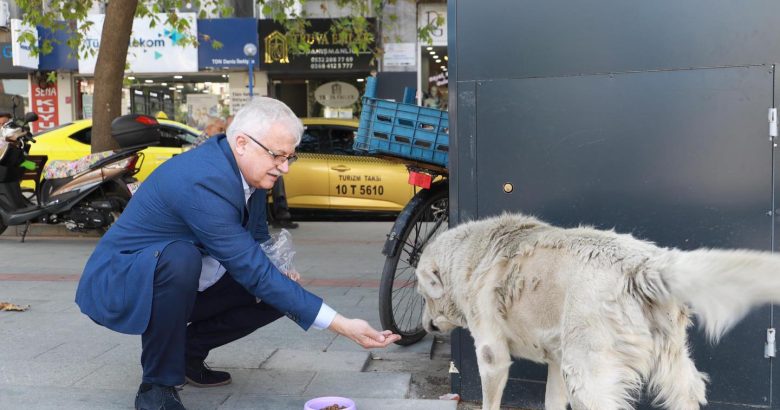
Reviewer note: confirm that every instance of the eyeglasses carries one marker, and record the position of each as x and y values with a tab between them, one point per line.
278	159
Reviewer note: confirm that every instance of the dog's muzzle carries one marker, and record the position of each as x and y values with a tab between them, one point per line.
432	327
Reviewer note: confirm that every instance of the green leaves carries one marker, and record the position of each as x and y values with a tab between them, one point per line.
352	31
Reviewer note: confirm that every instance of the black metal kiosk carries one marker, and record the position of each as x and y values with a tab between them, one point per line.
648	117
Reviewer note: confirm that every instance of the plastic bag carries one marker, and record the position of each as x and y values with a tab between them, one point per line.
280	250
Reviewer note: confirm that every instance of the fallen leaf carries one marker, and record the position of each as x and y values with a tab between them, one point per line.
10	307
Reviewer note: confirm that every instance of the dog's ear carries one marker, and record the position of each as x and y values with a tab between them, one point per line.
430	280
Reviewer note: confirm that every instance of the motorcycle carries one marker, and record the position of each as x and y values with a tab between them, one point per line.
85	194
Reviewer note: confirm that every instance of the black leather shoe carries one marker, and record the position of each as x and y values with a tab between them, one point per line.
284	224
200	375
157	397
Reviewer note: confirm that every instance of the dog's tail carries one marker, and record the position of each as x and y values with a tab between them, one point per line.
722	286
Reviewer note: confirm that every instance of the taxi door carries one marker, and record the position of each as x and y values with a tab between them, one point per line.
306	185
361	182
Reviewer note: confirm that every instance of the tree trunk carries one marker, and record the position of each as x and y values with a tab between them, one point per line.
110	70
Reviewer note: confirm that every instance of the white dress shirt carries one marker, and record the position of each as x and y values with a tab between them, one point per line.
212	271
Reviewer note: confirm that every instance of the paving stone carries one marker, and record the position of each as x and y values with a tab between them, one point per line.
112	376
396	404
32	373
247	402
317	361
58	398
124	353
241	354
276	382
76	351
353	384
252	402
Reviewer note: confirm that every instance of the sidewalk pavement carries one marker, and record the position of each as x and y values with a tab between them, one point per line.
52	356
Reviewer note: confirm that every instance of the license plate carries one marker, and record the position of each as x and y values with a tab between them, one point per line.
133	186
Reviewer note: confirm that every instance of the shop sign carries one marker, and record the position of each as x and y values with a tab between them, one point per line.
62	57
400	55
328	52
336	94
22	56
428	13
439	79
43	101
155	49
200	109
234	34
6	61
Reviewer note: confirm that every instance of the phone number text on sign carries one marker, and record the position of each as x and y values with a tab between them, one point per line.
355	189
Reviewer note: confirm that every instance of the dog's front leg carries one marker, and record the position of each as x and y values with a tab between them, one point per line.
494	361
555	396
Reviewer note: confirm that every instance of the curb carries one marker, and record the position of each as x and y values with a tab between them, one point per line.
38	230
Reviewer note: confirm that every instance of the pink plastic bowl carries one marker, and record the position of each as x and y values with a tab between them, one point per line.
322	402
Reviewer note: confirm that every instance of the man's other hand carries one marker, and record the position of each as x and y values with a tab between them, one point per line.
362	333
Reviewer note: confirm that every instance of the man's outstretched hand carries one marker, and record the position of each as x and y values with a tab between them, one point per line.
362	333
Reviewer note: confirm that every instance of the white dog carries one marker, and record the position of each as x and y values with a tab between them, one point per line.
605	311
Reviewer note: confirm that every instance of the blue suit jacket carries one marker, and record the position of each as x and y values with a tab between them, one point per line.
197	197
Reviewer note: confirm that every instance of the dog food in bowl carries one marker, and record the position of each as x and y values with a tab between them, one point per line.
330	403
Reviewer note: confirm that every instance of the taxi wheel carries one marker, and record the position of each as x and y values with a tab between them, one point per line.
400	306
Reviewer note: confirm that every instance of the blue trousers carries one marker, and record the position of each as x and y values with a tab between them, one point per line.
224	312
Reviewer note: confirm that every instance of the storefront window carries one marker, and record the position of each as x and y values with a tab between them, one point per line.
16	87
435	78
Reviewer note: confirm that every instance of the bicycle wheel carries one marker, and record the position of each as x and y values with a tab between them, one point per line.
400	306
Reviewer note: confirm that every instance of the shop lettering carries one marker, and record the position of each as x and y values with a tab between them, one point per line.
327	38
46	92
46	111
331	66
234	61
142	42
335	59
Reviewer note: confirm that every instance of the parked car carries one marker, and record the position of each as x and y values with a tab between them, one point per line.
330	175
72	141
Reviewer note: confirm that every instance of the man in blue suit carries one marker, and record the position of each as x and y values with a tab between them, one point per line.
185	250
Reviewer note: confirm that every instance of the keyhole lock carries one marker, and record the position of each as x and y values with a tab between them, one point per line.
508	188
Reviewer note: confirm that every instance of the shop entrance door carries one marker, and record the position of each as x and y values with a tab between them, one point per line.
292	93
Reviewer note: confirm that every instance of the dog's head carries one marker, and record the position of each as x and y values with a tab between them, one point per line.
441	314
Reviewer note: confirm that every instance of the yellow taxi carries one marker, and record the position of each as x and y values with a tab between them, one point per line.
330	175
72	141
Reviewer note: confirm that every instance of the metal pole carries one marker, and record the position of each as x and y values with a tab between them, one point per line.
251	77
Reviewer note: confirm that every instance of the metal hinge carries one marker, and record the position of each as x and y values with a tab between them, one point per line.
772	124
769	347
453	369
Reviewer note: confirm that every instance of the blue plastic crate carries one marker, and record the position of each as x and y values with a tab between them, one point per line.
402	130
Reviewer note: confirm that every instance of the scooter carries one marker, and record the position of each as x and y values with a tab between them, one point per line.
85	194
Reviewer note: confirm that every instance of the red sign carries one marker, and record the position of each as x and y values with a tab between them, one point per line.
44	103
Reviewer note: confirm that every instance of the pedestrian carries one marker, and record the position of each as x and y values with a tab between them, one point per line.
214	126
5	116
186	250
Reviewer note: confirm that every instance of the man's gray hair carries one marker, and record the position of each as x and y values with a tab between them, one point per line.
257	116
